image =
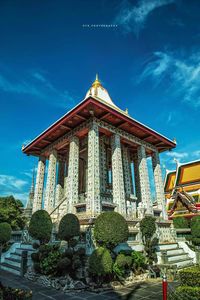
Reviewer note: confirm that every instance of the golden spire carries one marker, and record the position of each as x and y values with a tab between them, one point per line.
96	83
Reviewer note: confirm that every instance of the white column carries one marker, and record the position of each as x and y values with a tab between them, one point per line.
103	165
159	187
93	204
127	171
117	175
39	188
73	172
60	182
51	182
145	192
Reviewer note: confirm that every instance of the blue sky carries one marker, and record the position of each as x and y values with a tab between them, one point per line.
149	62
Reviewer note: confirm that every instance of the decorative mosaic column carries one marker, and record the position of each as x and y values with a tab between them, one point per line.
73	171
127	171
103	165
137	179
159	187
145	192
60	182
93	204
39	188
51	182
117	175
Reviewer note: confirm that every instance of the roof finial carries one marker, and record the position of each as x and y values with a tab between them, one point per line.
97	77
96	83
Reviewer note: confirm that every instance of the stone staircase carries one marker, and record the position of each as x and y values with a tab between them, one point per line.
172	255
11	261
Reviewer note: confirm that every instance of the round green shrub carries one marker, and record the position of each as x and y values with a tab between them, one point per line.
63	266
185	292
110	229
123	261
190	276
69	227
100	262
5	232
180	222
40	226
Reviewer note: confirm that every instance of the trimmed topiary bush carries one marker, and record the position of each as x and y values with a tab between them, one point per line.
180	222
123	261
69	227
5	233
110	229
148	227
100	262
40	226
190	276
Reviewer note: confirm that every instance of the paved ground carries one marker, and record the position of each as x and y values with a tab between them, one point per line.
146	291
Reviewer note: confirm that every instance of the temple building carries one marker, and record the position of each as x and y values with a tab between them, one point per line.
182	190
96	160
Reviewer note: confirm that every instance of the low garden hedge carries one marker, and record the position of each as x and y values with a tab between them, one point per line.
190	276
185	292
180	222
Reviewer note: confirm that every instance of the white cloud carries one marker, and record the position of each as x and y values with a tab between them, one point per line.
7	181
181	75
133	18
37	86
177	155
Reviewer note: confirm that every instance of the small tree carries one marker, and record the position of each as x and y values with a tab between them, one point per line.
5	235
69	227
100	263
40	226
148	229
110	229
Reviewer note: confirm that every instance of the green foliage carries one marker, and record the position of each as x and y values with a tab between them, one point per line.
40	226
5	233
100	262
190	276
69	227
8	293
185	292
180	222
122	265
11	211
148	227
138	260
49	257
195	230
110	229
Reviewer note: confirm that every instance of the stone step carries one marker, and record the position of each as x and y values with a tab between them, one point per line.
178	257
11	269
184	263
27	246
15	255
19	251
165	247
172	252
13	262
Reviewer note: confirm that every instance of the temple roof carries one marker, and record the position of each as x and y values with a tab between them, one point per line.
186	174
97	103
99	92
